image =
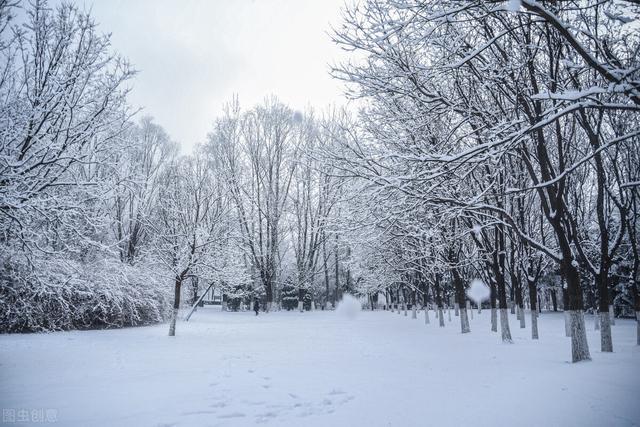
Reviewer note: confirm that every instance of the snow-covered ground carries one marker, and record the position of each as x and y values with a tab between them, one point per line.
319	369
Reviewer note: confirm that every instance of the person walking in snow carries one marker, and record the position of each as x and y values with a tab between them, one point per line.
256	306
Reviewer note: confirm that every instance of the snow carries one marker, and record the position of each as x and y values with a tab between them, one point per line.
570	95
513	5
478	291
318	369
349	307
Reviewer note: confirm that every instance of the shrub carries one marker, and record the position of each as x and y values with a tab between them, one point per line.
55	294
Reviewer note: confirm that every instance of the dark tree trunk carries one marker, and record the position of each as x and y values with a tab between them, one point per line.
461	301
517	284
176	305
512	302
499	268
579	346
533	300
326	274
438	291
493	296
606	343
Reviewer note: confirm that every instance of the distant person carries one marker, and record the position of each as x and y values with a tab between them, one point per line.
256	306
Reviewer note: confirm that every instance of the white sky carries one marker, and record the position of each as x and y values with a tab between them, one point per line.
193	55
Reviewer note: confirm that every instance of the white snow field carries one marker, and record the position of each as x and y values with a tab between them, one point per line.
320	369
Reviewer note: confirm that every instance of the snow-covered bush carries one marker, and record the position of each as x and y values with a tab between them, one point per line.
57	294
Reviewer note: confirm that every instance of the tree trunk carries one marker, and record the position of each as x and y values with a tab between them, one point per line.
612	315
533	302
439	300
606	344
336	297
534	324
504	325
512	305
636	299
268	288
460	303
426	307
172	325
519	299
565	305
464	320
502	291
579	344
492	297
325	266
176	306
638	327
194	288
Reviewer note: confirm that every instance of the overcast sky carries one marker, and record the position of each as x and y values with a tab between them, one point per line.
193	55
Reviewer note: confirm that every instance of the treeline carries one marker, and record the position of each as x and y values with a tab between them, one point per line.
106	224
499	140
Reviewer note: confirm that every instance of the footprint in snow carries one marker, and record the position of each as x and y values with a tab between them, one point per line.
203	412
267	415
306	413
218	405
277	406
232	415
346	400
